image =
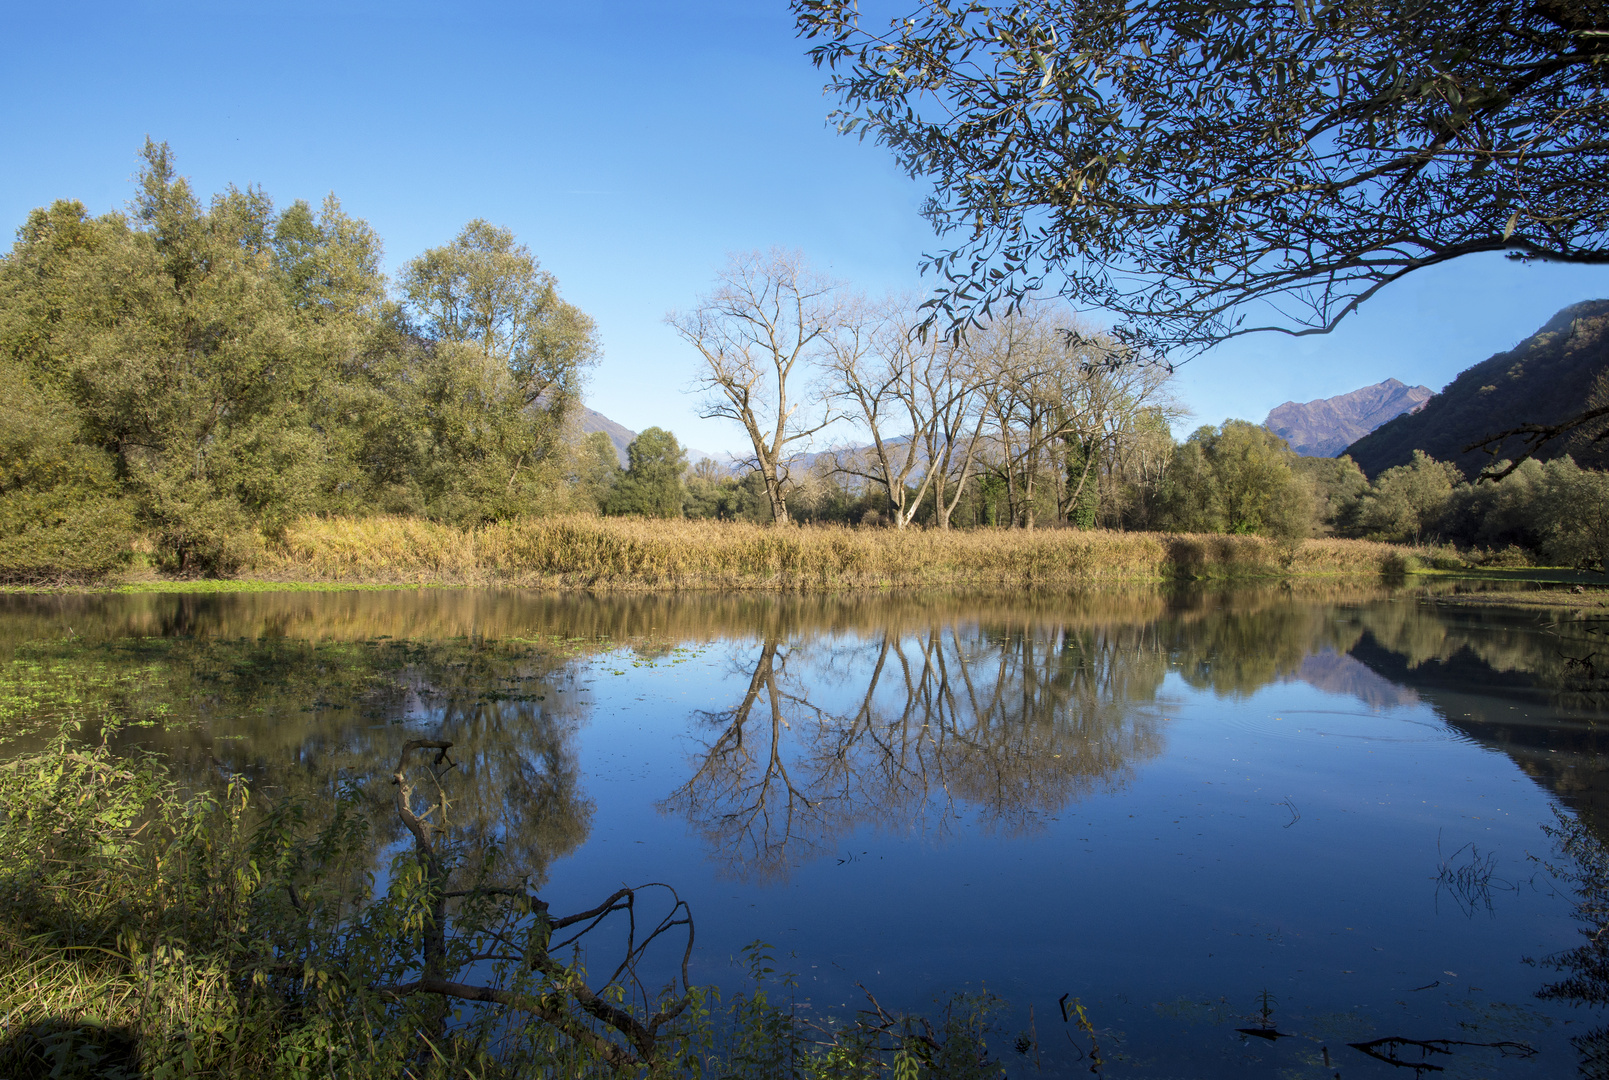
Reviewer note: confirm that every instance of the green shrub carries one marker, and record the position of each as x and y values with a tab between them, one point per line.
1512	557
60	514
652	485
148	933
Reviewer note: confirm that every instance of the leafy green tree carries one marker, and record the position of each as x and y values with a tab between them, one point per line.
61	514
651	486
1574	514
596	470
1083	464
500	373
711	492
486	290
1499	514
175	339
1178	162
1408	502
329	262
234	366
1338	486
1238	479
1186	503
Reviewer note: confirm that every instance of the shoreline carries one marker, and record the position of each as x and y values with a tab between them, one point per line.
1552	590
636	556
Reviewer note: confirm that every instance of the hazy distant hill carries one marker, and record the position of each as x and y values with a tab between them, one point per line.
591	420
1545	378
1325	427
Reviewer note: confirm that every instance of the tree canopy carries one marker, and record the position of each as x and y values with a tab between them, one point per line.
1206	169
1237	478
652	483
203	370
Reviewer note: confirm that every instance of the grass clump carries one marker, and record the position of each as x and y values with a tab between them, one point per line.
615	553
147	932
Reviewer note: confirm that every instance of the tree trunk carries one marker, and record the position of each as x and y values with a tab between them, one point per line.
779	502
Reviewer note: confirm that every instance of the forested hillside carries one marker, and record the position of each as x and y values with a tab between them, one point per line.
1544	379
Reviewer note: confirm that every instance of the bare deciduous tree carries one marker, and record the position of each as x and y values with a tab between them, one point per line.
1062	403
955	388
761	332
1026	365
1110	408
913	396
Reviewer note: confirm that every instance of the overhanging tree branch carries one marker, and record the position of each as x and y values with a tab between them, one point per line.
1195	168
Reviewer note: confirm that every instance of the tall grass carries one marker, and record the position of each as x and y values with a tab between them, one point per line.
616	553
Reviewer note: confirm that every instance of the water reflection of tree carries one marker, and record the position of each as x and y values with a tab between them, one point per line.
304	719
1563	655
1584	969
905	729
902	707
1240	648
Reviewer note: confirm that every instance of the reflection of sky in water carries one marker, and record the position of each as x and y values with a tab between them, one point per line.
1288	839
1160	807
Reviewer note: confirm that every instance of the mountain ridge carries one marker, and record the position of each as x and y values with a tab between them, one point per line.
591	420
1324	427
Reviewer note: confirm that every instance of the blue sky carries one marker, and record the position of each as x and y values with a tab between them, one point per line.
630	143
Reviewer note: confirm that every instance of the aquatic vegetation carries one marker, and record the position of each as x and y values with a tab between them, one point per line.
144	932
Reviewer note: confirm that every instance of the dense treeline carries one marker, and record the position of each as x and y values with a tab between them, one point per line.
200	373
1239	478
192	377
1551	511
1236	478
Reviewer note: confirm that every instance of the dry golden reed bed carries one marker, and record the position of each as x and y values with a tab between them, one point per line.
617	553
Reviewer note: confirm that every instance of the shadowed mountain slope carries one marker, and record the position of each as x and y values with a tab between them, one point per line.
1544	379
1325	427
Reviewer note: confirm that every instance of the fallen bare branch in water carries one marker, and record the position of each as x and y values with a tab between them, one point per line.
429	825
1392	1043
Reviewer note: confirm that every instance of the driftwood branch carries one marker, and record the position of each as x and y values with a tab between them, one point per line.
1386	1050
438	967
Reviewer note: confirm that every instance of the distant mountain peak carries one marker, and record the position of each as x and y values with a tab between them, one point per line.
1326	426
591	420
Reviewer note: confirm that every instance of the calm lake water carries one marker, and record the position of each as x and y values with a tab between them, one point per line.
1175	809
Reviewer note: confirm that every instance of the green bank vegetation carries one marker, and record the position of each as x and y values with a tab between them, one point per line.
148	933
225	387
190	376
1550	513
